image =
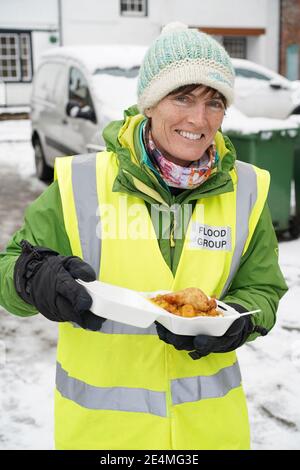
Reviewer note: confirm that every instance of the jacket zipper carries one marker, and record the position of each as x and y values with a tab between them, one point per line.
172	230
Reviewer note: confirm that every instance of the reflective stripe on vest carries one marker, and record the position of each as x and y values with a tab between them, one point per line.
85	196
246	195
183	390
213	386
110	398
116	328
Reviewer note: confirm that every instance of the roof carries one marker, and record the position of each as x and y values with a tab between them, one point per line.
93	57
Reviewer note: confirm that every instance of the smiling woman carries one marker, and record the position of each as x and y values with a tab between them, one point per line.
184	123
180	134
166	207
185	85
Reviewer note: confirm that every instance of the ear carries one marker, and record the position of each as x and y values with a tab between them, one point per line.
148	112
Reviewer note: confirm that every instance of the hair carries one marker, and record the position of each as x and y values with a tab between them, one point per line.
185	89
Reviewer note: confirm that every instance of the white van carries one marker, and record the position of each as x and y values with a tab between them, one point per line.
77	91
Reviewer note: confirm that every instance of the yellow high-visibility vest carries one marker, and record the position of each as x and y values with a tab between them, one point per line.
122	387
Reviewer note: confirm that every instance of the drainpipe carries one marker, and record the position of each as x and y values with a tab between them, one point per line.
60	28
280	39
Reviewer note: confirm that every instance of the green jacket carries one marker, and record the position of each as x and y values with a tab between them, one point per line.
44	226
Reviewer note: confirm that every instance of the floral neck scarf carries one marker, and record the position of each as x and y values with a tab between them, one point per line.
177	176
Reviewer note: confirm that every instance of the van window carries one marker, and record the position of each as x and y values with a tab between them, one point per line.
78	89
46	80
247	73
118	72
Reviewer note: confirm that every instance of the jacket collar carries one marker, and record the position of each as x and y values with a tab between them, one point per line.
135	176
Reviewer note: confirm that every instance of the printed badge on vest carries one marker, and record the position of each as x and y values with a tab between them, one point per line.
208	237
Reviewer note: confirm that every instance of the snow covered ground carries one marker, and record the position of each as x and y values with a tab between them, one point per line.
270	366
14	109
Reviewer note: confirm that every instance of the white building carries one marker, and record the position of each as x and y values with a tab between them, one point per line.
248	29
27	28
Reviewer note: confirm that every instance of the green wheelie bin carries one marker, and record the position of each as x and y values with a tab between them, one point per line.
275	151
296	218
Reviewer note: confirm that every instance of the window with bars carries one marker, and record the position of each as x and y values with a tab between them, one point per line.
236	46
133	7
15	57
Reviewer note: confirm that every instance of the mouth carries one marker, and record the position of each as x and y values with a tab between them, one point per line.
190	135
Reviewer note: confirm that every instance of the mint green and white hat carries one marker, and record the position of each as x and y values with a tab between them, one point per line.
182	56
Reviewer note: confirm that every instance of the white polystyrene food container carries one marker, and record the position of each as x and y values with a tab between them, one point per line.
133	308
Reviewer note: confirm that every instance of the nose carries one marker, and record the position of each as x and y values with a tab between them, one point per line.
197	115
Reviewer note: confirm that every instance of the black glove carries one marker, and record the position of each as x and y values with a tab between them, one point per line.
46	280
179	342
202	345
235	336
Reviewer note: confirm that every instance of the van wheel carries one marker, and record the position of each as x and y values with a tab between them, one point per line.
295	227
43	171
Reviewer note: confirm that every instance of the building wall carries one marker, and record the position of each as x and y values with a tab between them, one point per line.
269	48
262	49
218	12
100	22
290	33
39	18
28	14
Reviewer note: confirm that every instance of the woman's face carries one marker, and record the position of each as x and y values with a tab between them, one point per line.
184	125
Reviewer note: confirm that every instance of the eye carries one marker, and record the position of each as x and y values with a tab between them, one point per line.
216	104
182	98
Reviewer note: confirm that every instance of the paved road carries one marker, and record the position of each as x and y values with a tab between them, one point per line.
27	345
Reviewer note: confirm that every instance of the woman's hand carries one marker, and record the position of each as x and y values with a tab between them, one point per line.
235	336
202	345
46	280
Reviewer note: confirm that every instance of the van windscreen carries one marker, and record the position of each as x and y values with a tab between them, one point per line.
118	72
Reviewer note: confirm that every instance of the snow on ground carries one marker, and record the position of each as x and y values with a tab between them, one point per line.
27	377
14	110
27	345
15	131
270	366
16	151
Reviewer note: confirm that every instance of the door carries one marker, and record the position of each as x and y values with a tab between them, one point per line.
47	107
77	130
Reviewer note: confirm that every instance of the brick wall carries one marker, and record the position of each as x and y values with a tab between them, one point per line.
290	30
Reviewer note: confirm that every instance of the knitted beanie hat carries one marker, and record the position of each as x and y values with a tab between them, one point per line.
182	56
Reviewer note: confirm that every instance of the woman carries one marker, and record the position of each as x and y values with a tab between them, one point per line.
165	207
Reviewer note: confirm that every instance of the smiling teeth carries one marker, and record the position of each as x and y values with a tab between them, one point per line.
189	135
